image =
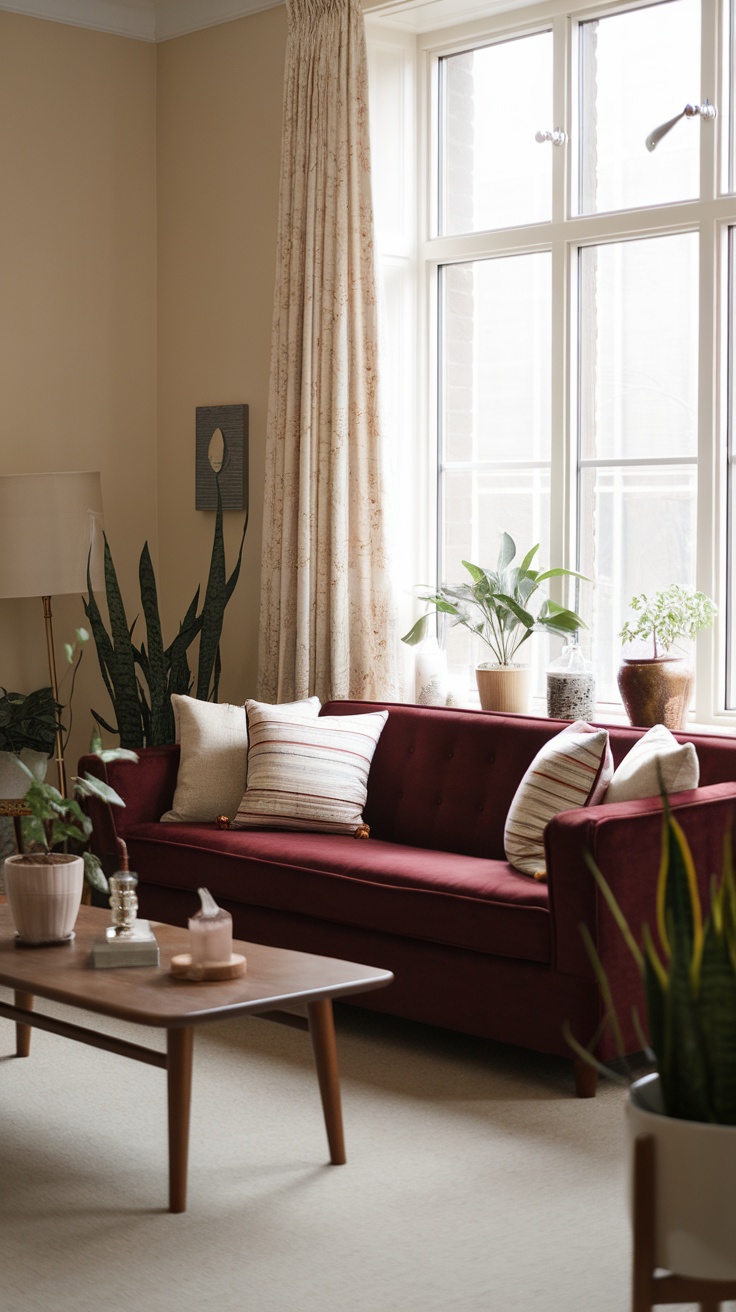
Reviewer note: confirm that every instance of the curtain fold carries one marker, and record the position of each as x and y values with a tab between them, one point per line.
328	621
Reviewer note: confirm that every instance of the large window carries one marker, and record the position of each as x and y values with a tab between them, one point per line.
570	276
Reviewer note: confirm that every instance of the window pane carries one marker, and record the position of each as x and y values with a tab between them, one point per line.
495	353
493	174
639	348
637	534
638	70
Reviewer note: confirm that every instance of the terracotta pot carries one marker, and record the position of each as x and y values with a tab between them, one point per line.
695	1186
504	687
656	691
44	900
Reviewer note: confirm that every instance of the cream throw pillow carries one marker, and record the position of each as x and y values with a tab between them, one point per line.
213	738
306	773
638	776
572	769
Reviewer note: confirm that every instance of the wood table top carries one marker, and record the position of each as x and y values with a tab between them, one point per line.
275	978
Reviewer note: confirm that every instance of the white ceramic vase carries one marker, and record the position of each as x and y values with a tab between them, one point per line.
505	688
44	900
695	1186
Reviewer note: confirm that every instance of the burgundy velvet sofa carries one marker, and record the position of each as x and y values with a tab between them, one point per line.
474	946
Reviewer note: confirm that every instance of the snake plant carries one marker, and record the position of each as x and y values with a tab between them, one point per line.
689	979
140	679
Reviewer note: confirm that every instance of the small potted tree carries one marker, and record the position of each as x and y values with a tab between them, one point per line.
44	885
495	607
657	685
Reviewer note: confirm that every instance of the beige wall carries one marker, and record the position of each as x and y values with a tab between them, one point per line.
219	138
77	317
137	261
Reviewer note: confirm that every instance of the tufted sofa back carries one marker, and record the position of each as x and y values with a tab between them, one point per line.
445	778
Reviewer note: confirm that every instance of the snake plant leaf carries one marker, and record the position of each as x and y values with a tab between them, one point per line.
716	1009
104	724
682	1064
213	606
156	671
677	889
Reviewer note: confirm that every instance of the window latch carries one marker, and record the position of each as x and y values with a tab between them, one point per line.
558	137
706	110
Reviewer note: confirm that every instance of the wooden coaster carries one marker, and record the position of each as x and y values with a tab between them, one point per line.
182	968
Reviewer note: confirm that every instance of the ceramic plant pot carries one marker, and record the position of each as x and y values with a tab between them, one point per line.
695	1186
44	899
656	691
504	687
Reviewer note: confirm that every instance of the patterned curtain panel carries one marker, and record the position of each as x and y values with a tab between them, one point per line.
328	623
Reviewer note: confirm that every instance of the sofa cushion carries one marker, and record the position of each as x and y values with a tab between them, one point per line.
465	902
213	738
658	752
305	773
573	769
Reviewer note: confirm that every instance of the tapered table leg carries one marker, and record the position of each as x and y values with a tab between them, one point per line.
322	1034
23	1032
179	1080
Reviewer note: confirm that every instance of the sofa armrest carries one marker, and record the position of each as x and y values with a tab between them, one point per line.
625	840
147	788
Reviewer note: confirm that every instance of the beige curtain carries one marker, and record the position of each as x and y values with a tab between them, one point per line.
328	622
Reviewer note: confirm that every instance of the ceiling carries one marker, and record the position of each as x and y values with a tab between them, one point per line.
159	20
145	20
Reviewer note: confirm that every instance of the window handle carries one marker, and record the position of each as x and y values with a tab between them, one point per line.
706	110
558	137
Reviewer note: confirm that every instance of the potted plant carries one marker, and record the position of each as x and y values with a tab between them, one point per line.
44	886
656	687
495	607
688	1103
30	723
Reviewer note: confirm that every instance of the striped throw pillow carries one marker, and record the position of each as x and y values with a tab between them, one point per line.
213	760
308	774
573	769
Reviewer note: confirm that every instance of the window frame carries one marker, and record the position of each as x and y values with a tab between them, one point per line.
710	215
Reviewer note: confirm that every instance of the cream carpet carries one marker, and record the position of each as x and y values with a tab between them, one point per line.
475	1179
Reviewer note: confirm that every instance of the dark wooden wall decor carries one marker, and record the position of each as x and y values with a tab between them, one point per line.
221	444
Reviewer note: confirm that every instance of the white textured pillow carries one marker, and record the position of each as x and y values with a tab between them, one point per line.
306	773
572	769
638	774
213	738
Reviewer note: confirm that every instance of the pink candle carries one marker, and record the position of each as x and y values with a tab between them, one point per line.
210	933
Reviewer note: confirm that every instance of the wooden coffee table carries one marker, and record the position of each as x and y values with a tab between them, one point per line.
275	981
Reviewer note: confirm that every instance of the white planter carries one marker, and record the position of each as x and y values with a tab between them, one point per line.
695	1186
44	900
504	687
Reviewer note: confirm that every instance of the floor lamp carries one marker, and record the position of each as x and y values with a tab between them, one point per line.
48	523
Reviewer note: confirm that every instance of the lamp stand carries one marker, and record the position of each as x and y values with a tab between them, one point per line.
55	691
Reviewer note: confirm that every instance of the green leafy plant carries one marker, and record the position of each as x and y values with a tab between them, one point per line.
57	821
140	679
28	721
675	613
690	982
31	720
495	604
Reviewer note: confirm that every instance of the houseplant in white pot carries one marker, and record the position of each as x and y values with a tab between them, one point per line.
44	885
495	607
688	1104
656	686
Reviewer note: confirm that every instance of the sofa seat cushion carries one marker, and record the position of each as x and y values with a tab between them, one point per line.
461	901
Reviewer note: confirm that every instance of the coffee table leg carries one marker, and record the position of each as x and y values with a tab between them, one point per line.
23	1032
179	1080
322	1034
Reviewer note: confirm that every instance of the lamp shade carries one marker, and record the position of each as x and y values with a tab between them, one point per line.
48	523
